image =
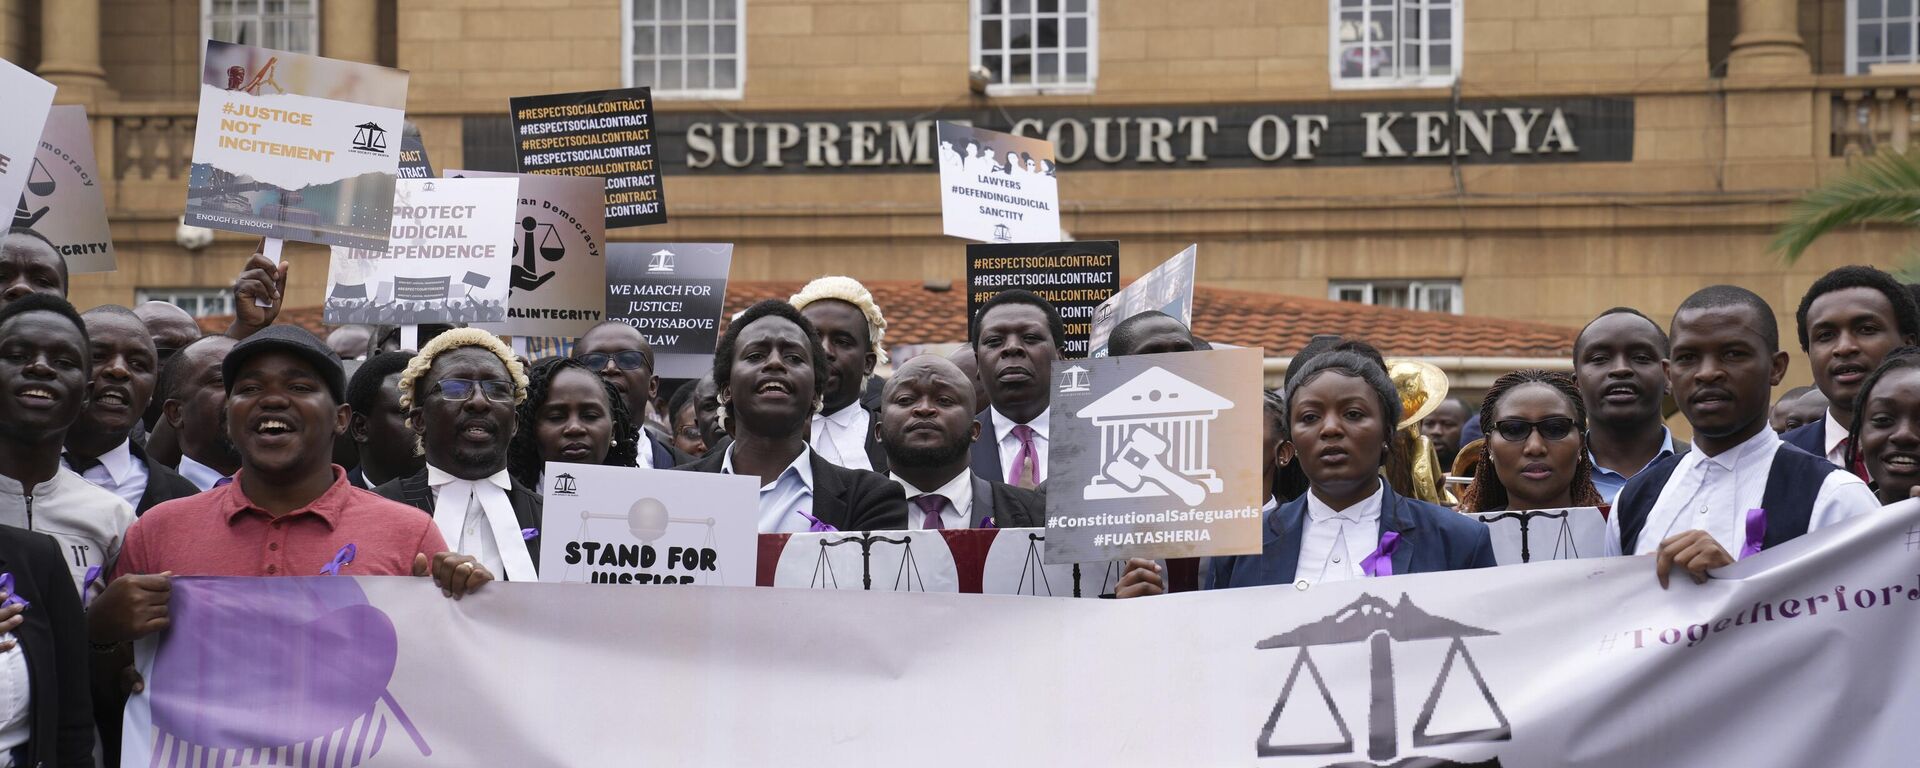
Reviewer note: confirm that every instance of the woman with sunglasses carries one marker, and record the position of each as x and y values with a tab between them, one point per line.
1886	416
1535	452
569	415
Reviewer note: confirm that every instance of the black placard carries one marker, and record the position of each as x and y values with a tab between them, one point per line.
413	159
674	293
1074	277
609	134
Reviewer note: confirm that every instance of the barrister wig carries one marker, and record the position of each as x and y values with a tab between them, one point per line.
1487	494
852	292
523	454
412	378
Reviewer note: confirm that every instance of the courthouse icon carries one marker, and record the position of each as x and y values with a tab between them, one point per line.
1153	439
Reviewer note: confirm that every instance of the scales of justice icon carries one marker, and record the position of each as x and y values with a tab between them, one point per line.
1373	621
903	581
662	261
647	519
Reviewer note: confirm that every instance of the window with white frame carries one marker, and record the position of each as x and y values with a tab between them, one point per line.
1395	43
686	49
1881	32
1037	46
199	302
285	25
1424	295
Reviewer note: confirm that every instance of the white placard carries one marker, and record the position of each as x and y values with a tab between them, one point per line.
997	187
625	525
1545	534
447	261
28	101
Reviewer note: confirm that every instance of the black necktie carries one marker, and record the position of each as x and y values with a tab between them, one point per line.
81	464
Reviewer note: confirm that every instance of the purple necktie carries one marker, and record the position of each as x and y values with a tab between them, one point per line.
930	505
1756	533
1026	463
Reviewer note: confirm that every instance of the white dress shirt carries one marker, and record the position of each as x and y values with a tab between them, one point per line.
1835	433
782	500
201	475
476	518
645	459
841	437
16	700
1333	543
1010	445
955	514
119	472
1714	493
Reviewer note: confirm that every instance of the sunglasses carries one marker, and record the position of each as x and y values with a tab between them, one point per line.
461	390
1515	430
628	360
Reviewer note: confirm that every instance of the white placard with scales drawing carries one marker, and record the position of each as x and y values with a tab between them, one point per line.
1545	534
625	525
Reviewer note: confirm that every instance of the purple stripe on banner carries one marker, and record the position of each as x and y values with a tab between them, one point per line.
220	758
320	755
379	735
200	756
406	723
360	744
346	741
306	751
160	743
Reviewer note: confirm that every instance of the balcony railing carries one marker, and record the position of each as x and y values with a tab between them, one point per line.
1869	120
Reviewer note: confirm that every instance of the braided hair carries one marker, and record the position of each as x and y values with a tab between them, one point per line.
1904	357
523	454
1487	493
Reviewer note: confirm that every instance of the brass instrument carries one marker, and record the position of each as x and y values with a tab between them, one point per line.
1422	387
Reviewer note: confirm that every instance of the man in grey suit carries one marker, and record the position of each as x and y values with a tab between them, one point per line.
927	428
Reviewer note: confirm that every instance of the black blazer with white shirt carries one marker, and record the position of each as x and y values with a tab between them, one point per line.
847	499
413	491
54	639
163	483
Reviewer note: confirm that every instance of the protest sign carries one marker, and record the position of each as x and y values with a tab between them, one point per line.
1167	288
28	100
1553	663
1074	277
452	245
1144	465
608	134
413	158
296	147
626	525
559	254
997	187
674	293
994	561
62	199
1529	536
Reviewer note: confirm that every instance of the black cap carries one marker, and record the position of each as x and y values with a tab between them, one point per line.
294	340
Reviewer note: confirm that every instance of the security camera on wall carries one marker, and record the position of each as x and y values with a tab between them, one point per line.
977	79
191	237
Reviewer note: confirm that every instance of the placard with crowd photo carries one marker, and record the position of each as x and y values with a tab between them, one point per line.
609	134
997	187
1167	288
296	147
1534	535
674	293
447	261
28	99
1075	277
626	525
559	275
1155	456
62	199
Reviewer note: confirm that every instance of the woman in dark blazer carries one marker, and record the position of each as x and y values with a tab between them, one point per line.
770	370
52	634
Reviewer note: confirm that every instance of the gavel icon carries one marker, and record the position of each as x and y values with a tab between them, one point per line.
1138	462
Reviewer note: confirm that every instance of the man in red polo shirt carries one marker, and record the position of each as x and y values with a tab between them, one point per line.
288	512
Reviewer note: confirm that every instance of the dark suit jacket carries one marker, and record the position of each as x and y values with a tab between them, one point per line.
163	483
414	492
1810	437
54	638
986	450
665	456
1006	506
847	499
1432	538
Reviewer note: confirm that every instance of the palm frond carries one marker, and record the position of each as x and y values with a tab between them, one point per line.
1884	188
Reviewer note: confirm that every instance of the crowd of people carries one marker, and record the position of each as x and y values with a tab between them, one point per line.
137	450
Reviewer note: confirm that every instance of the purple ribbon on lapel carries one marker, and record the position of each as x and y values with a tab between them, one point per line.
340	560
528	534
1756	532
817	526
1380	563
93	574
987	524
6	585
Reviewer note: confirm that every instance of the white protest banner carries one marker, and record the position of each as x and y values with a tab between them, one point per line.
62	199
997	187
447	261
559	274
296	147
627	525
1797	656
1155	456
28	99
993	561
1545	534
1167	288
674	293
